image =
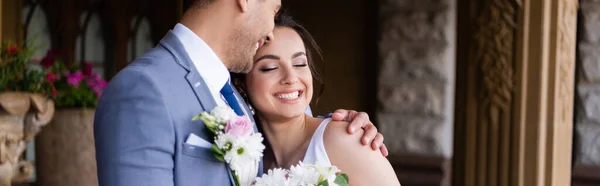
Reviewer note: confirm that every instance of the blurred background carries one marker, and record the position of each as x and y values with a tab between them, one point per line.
468	92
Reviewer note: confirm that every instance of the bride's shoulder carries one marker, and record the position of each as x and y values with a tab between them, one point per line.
337	134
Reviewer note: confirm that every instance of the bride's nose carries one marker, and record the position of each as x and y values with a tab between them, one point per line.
289	77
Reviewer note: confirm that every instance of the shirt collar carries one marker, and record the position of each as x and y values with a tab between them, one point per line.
206	61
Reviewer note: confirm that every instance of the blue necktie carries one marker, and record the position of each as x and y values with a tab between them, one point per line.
227	92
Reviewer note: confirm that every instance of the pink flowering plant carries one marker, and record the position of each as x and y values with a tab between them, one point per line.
71	86
235	142
15	74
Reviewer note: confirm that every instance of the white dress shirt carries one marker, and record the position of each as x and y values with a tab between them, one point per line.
208	64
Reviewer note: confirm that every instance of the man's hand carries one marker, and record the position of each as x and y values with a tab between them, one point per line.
361	120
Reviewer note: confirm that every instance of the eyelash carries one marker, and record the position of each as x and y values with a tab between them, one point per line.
274	68
300	65
268	69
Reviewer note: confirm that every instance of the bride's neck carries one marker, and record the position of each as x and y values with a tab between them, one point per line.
288	138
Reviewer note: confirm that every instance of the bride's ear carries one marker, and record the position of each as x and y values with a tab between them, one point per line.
243	5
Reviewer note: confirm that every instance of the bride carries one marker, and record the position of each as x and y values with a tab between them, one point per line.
279	87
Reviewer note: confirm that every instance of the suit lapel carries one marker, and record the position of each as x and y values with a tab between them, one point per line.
197	83
201	90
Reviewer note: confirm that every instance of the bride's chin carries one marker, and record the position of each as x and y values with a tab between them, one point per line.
283	115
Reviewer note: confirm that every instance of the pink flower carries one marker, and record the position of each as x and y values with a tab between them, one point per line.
12	49
54	92
98	88
238	126
75	78
87	69
50	77
93	79
48	60
96	83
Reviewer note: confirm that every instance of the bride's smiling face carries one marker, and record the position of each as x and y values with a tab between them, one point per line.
280	82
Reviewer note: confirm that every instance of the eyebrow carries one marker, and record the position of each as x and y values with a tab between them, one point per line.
298	54
268	56
274	57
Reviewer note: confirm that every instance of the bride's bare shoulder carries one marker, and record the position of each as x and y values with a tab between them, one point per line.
337	134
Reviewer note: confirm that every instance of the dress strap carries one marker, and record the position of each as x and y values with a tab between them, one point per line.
316	153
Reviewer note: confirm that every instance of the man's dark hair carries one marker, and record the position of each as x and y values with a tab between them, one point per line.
199	4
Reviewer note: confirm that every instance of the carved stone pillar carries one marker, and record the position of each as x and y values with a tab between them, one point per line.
416	87
22	115
515	92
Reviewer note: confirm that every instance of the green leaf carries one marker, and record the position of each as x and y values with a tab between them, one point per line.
323	183
196	117
220	157
219	154
216	150
342	180
235	178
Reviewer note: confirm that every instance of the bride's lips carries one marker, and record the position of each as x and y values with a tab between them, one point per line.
289	96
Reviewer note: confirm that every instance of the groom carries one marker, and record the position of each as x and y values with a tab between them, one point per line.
143	129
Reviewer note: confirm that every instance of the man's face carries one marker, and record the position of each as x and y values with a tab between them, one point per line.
252	33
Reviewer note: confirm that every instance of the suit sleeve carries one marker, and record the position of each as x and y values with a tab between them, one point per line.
134	135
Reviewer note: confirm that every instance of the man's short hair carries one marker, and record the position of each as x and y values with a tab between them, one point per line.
199	4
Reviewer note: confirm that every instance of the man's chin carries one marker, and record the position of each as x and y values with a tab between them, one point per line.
247	68
243	69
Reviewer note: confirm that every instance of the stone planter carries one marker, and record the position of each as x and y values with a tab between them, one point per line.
22	115
65	150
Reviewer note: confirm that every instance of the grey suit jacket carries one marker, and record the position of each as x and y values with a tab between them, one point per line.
144	117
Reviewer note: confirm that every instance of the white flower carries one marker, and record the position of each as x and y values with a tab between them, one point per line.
300	175
222	113
255	146
274	177
303	174
224	141
247	175
327	173
244	149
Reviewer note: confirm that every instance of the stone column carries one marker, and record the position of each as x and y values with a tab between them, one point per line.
587	149
416	82
514	108
588	86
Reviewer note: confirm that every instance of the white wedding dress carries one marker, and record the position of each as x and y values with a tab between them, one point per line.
316	154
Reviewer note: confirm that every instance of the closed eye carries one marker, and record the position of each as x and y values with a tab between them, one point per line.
300	65
268	69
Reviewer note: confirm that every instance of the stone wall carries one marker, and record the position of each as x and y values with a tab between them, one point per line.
416	81
588	85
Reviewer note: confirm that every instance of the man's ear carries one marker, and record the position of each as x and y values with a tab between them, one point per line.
243	5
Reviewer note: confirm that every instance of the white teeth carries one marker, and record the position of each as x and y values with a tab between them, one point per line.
289	96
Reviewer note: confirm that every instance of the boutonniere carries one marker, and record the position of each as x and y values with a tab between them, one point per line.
235	142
